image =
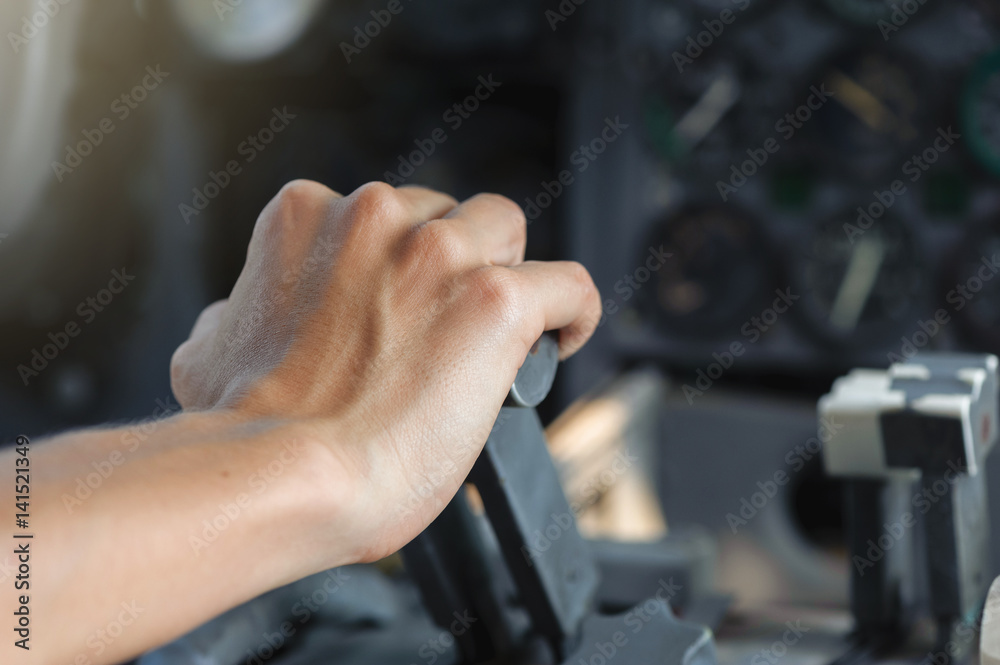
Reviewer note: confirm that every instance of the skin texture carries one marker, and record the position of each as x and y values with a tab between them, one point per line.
360	360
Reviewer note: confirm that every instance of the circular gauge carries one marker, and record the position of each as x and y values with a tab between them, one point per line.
865	12
872	115
792	186
981	111
691	122
715	277
974	290
860	286
989	8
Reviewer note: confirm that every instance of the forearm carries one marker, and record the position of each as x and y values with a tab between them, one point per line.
389	323
134	545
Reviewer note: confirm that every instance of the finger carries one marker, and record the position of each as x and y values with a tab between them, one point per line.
426	203
492	226
561	296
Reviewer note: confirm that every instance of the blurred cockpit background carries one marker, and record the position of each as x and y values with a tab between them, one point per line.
767	192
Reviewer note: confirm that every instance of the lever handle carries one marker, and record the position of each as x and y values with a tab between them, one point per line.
534	380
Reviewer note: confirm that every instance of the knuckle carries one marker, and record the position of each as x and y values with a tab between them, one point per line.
435	244
498	293
582	278
300	199
581	274
302	191
431	192
514	217
293	207
375	200
503	203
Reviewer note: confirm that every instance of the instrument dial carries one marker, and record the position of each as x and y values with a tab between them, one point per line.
973	292
860	286
716	276
981	111
873	115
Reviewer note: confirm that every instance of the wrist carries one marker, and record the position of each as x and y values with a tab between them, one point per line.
305	496
326	488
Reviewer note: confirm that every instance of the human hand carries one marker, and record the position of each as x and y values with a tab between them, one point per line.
391	324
